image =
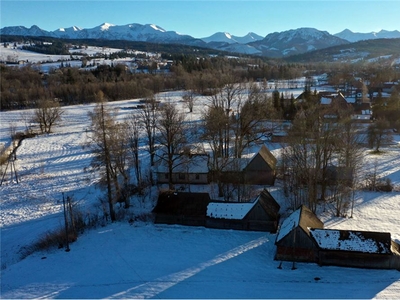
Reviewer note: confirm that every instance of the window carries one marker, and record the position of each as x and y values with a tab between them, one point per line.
197	176
181	176
166	176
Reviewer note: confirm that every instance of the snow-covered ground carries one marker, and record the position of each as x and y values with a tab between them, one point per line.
143	260
46	62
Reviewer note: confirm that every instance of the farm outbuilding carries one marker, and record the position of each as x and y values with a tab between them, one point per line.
294	241
302	238
197	209
362	249
181	208
261	214
260	169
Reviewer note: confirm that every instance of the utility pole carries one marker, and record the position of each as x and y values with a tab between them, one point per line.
66	225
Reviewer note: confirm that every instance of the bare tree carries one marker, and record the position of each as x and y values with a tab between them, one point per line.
247	123
226	99
109	144
311	145
215	122
379	133
133	132
99	143
47	113
171	129
148	118
189	98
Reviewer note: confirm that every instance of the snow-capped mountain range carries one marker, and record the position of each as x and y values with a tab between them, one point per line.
276	44
356	36
296	41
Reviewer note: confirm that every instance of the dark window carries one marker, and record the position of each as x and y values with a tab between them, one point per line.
197	176
166	176
181	176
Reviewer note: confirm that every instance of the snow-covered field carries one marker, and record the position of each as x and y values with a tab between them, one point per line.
46	62
143	260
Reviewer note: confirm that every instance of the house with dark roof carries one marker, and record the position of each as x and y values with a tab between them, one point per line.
261	214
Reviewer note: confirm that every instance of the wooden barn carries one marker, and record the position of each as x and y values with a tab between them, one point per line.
182	208
362	249
259	170
294	241
261	214
302	238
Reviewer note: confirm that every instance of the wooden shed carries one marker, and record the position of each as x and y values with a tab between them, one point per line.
261	214
362	249
181	208
294	241
261	169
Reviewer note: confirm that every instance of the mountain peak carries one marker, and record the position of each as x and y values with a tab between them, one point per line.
106	26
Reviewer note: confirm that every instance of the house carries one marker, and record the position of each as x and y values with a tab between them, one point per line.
362	249
294	241
181	208
188	169
261	214
259	170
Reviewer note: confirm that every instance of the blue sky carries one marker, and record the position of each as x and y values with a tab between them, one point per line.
204	18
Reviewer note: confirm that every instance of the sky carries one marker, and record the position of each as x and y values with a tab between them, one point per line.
204	18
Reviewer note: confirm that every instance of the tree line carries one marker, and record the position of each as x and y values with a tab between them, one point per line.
24	87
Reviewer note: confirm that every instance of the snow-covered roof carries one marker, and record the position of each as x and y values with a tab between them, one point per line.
357	241
288	224
234	211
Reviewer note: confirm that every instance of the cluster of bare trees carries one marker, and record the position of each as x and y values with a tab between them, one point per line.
234	119
322	158
116	146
